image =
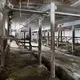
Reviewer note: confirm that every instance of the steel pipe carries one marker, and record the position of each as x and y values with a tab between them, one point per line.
41	12
68	14
30	11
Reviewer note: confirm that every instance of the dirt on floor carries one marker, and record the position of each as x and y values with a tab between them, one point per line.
21	67
68	49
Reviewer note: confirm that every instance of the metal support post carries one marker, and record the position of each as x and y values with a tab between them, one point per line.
61	35
73	38
24	39
44	39
47	38
58	39
2	40
52	17
30	47
40	40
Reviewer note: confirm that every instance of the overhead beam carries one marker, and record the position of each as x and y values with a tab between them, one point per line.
67	19
26	1
61	10
29	11
68	14
69	9
61	6
76	14
43	8
34	16
76	4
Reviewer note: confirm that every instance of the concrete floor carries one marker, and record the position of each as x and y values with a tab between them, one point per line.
68	62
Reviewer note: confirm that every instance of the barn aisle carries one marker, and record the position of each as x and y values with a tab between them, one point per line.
21	67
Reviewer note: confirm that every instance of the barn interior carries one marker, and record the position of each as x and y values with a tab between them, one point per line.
39	39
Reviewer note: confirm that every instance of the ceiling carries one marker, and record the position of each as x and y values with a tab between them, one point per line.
43	1
28	19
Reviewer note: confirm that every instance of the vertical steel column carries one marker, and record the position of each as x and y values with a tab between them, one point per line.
8	29
44	34
37	36
10	16
47	38
2	40
64	35
61	35
8	24
52	17
30	47
44	37
58	38
24	39
40	40
73	38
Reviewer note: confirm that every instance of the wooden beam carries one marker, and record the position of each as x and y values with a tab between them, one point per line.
52	17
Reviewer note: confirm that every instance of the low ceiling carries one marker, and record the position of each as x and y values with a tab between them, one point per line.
26	18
